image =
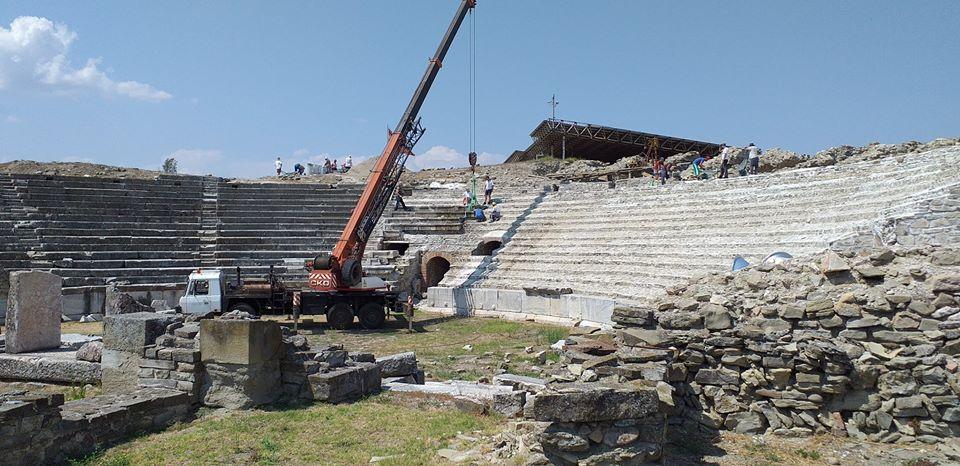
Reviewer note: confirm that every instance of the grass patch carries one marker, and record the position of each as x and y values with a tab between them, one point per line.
319	434
76	392
549	336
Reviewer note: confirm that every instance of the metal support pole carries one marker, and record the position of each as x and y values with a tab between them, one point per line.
563	155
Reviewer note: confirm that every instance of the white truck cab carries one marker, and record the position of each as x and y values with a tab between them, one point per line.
205	292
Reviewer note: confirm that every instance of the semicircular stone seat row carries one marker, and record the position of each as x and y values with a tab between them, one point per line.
632	242
155	232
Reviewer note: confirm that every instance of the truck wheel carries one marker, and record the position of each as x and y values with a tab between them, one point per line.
371	315
340	316
243	307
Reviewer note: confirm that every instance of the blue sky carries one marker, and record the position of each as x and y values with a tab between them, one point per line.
228	86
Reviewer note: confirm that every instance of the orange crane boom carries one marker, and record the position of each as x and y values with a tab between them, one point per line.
342	269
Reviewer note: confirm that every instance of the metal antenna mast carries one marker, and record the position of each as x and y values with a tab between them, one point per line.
553	105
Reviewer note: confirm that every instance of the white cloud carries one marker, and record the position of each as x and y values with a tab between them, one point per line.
33	54
12	119
447	157
198	161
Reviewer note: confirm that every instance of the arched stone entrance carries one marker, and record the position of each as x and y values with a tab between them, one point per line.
434	270
486	248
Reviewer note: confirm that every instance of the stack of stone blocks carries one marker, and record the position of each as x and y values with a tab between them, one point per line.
594	423
858	344
173	361
125	339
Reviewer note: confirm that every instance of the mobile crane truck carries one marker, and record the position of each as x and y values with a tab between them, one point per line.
336	286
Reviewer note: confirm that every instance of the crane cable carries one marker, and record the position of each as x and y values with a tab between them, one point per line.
472	108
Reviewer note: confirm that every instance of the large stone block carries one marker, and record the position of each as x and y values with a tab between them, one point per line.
346	383
588	403
598	310
119	371
131	332
485	298
510	301
398	365
240	341
439	296
241	386
34	306
534	304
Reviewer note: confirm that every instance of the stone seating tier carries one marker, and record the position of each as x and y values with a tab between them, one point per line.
632	242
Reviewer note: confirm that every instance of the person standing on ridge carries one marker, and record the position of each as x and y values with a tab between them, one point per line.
753	152
724	161
279	165
487	190
347	164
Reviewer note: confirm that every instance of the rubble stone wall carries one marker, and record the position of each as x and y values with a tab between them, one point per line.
42	429
861	343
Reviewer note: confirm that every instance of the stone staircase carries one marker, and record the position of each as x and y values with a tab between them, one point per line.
631	242
209	223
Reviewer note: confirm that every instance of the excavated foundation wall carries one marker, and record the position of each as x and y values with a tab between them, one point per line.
862	343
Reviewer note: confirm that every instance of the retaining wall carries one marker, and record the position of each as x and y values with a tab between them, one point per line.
38	429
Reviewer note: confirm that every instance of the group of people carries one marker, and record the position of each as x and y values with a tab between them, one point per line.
726	157
331	166
478	213
328	166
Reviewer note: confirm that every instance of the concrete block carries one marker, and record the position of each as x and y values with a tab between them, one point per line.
484	298
34	306
240	341
440	296
571	305
510	300
462	300
131	332
75	306
120	370
533	304
599	310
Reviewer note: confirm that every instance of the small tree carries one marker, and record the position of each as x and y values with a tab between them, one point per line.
170	165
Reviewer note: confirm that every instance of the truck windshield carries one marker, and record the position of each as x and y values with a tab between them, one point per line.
200	287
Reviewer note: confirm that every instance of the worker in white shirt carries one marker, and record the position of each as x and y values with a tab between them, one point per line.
279	166
753	153
487	190
724	161
347	164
